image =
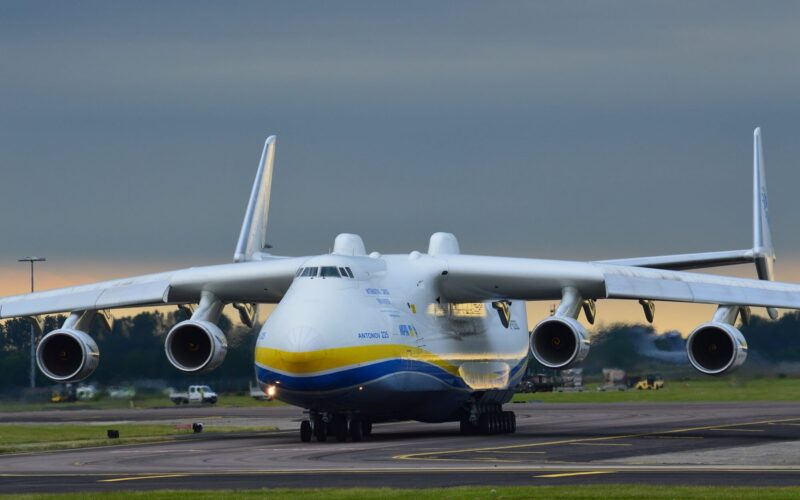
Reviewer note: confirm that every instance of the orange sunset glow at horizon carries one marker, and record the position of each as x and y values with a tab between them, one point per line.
15	279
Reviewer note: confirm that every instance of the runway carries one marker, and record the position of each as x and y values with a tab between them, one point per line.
737	443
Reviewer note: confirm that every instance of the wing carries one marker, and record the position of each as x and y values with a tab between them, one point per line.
259	281
472	278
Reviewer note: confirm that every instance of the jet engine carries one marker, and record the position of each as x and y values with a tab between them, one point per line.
716	348
559	342
196	346
67	355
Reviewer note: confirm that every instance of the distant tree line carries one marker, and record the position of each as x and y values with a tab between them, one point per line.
134	350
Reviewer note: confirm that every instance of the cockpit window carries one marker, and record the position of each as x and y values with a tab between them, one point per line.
349	272
299	272
329	272
310	272
343	273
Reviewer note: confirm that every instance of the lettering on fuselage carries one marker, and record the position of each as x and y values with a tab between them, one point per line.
373	335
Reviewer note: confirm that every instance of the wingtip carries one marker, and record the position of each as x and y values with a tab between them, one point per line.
271	140
757	132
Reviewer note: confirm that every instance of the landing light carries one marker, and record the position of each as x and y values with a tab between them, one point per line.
271	391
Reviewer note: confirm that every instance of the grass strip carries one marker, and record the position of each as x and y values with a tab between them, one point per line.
42	437
582	492
703	390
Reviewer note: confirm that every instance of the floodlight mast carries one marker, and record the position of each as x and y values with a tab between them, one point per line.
33	260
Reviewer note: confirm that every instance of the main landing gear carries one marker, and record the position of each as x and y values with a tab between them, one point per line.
340	425
492	422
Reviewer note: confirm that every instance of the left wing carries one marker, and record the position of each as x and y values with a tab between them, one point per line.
259	282
473	278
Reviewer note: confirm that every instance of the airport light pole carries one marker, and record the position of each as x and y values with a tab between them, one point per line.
33	260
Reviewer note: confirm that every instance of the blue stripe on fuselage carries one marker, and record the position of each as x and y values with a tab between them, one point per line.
355	376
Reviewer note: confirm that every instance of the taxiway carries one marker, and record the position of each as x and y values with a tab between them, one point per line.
739	443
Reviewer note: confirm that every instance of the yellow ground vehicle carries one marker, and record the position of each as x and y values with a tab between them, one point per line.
63	394
650	382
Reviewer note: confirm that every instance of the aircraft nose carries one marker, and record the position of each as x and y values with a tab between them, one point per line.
300	348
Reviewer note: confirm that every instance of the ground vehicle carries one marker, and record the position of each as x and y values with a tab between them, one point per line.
86	392
650	382
119	392
63	393
195	394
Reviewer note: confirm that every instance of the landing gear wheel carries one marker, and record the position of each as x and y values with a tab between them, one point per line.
320	430
483	424
340	428
466	427
367	428
305	431
356	429
511	418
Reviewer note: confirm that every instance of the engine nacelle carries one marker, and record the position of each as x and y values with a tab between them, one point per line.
716	348
196	346
559	342
67	355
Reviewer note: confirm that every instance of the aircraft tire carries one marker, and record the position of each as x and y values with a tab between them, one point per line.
320	430
340	428
483	424
367	428
305	431
356	429
466	427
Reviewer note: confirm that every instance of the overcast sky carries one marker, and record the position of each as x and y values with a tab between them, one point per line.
131	132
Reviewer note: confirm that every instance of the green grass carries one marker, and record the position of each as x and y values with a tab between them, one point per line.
139	401
544	492
710	389
38	437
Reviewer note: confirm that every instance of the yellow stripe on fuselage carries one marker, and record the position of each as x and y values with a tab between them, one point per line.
341	357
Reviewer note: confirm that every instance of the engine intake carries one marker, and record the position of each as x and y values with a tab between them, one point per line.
67	355
196	346
716	348
559	342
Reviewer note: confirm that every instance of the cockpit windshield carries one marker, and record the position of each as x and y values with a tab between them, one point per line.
329	272
324	272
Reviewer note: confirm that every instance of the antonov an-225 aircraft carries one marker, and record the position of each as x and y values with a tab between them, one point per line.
440	336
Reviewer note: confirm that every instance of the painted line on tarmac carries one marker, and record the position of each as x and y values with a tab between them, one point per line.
738	430
601	444
573	474
436	455
138	478
439	470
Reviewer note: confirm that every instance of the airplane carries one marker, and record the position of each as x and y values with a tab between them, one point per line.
358	338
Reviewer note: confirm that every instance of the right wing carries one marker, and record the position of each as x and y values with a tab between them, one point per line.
473	278
254	282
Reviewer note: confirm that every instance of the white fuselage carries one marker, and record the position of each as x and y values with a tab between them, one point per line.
385	344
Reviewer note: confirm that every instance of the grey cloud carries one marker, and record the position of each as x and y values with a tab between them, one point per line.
553	129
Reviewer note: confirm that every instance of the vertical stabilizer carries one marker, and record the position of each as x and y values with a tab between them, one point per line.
253	237
763	250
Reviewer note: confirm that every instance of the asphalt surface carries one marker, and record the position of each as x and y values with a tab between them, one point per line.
741	443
